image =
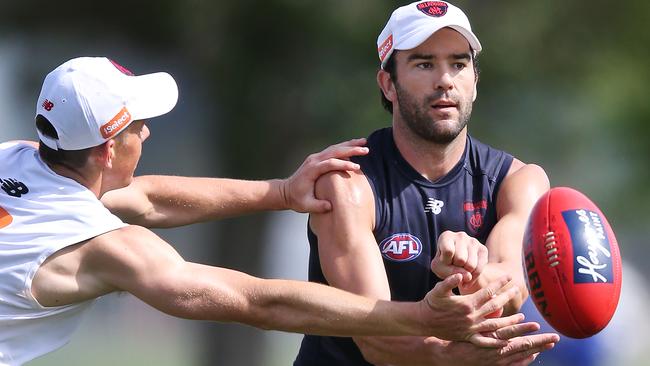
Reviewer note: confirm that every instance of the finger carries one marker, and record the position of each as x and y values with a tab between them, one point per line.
482	259
481	340
334	164
445	249
315	206
530	344
517	330
472	258
526	356
498	301
467	276
353	142
491	290
491	325
444	288
461	253
344	149
446	271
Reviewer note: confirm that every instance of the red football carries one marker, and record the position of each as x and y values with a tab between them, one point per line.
572	262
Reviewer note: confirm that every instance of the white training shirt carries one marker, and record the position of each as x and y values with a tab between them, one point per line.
41	212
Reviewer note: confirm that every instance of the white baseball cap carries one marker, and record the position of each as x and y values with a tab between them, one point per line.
89	100
412	24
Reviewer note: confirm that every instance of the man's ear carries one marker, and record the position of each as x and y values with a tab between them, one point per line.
104	154
386	85
475	91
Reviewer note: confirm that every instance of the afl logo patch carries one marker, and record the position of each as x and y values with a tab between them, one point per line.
433	8
402	247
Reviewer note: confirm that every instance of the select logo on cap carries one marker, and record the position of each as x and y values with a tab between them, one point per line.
115	125
385	47
433	8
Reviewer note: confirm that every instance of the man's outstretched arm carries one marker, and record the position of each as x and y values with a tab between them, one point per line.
170	201
135	260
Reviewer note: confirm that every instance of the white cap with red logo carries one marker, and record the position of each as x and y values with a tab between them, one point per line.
412	24
89	100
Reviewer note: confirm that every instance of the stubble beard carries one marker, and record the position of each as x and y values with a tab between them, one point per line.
417	118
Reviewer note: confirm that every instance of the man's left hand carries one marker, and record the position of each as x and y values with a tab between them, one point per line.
298	190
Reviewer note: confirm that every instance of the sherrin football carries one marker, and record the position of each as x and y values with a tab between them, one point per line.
572	263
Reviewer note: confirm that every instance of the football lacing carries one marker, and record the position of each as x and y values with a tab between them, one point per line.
551	250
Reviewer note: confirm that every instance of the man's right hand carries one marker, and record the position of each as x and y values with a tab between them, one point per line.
466	317
520	351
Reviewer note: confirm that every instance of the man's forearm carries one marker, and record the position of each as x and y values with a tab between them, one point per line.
401	351
177	201
208	293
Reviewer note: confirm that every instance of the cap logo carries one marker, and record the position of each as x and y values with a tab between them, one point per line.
433	8
112	127
385	47
48	105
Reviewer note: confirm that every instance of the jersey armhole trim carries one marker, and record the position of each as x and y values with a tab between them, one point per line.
29	278
506	163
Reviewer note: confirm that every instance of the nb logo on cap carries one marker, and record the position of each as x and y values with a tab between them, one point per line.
48	105
433	8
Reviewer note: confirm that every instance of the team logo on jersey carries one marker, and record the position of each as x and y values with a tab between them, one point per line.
474	214
433	8
13	187
402	247
433	205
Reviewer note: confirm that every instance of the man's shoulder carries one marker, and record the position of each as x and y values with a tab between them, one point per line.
478	145
18	144
341	183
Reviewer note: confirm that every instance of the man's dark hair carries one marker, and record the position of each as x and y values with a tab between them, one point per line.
74	159
390	69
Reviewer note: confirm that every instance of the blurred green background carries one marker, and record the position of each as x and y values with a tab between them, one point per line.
264	83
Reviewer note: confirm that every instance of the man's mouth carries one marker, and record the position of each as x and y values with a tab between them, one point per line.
444	104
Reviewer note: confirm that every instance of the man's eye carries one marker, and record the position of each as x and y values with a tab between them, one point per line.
459	66
424	65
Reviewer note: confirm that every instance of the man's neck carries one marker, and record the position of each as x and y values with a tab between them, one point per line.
431	160
90	180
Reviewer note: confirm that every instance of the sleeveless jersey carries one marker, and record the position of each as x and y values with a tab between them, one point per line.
410	213
41	212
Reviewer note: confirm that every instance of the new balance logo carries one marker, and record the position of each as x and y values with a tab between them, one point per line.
13	187
433	205
47	105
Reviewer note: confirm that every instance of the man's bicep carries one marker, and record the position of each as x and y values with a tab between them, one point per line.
348	251
137	261
517	196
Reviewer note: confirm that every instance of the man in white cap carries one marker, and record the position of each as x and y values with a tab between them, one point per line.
61	247
430	201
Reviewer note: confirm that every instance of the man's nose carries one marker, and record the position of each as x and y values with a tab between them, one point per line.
444	82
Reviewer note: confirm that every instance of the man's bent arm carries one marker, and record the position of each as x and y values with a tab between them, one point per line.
519	192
